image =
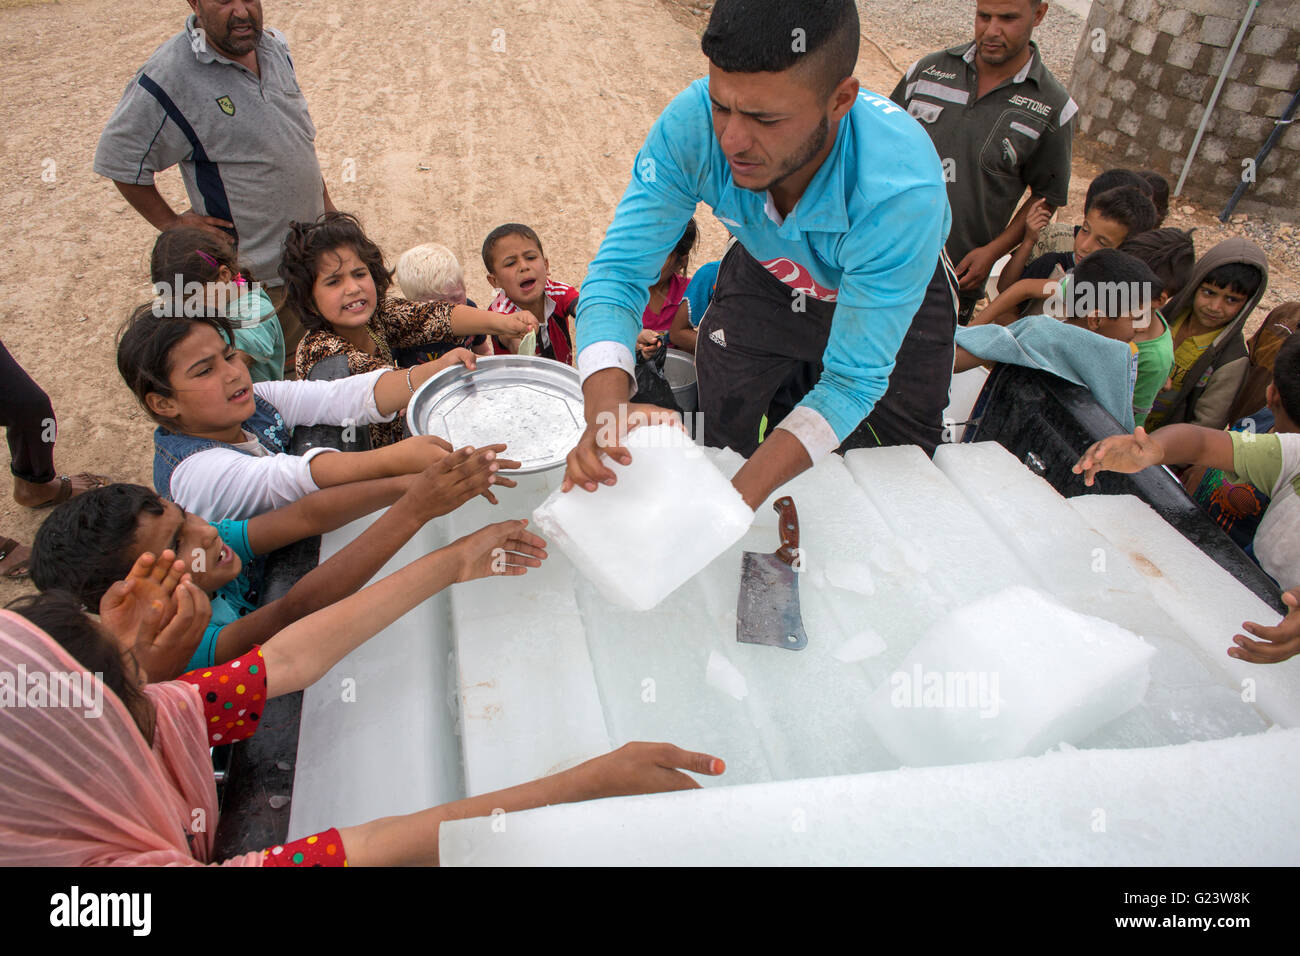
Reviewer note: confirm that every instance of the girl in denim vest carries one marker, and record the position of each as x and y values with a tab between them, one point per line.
221	448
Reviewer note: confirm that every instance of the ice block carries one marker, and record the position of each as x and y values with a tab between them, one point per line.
1220	803
1009	675
670	513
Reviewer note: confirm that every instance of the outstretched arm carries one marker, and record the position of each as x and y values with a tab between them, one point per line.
1173	445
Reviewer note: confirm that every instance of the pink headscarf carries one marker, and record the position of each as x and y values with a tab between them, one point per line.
79	790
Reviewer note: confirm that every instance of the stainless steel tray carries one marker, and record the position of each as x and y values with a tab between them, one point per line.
532	404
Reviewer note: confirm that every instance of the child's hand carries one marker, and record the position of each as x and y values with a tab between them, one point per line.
1040	214
1126	453
447	484
158	612
1275	644
459	356
642	768
513	326
126	603
647	342
499	549
412	455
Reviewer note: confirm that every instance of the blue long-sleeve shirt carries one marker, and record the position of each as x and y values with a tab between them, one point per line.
866	234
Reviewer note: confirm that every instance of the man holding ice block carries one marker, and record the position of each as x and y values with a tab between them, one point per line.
837	199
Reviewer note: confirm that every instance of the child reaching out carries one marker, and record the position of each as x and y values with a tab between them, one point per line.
1113	217
186	258
668	309
430	272
335	277
87	544
221	448
123	786
1271	462
516	265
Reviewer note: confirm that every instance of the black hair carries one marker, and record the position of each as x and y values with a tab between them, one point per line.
194	254
1239	277
1159	192
1169	253
772	36
1112	281
1286	376
58	614
499	233
305	245
1128	207
144	349
87	542
685	246
1114	179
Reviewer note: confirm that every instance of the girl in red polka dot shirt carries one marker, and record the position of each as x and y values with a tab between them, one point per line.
123	776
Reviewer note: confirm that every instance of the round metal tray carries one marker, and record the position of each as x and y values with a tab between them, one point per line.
532	404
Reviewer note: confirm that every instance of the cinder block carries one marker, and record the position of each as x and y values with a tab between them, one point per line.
1239	96
1221	176
1122	89
1149	74
1276	13
1213	150
1276	104
1085	123
1108	137
1118	58
1269	166
1192	86
1218	31
1182	53
1129	123
1170	139
1158	106
1102	106
1264	40
1253	130
1139	10
1142	40
1270	187
1173	22
1277	75
1291	138
1215	65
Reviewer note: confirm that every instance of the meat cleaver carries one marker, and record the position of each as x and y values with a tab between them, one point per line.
768	612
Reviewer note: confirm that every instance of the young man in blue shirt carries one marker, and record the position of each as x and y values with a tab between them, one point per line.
837	283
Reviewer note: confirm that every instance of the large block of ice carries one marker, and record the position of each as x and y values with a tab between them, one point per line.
1207	603
670	513
1219	803
1008	676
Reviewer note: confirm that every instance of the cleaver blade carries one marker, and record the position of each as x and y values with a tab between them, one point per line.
768	610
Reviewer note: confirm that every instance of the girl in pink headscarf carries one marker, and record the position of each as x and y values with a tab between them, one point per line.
118	772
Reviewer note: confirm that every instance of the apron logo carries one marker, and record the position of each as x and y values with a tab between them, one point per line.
227	105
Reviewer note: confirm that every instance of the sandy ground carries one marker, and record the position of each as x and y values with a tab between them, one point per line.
543	133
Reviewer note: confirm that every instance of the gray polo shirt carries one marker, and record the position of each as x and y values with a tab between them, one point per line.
246	144
1016	136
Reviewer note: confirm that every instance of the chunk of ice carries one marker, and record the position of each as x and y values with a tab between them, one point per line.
1008	676
670	513
722	674
1200	804
852	576
860	646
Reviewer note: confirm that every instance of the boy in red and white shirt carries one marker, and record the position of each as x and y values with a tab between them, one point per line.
517	268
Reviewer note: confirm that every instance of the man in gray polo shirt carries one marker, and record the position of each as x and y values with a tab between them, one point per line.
1000	122
221	99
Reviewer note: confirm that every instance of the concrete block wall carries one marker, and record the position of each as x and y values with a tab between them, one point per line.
1142	81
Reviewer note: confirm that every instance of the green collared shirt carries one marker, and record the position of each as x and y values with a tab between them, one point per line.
992	148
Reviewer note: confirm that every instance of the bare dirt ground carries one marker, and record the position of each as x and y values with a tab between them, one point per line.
543	132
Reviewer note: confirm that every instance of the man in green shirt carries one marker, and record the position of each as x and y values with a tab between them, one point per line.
1000	122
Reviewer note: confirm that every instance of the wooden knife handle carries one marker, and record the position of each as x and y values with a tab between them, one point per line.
787	524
